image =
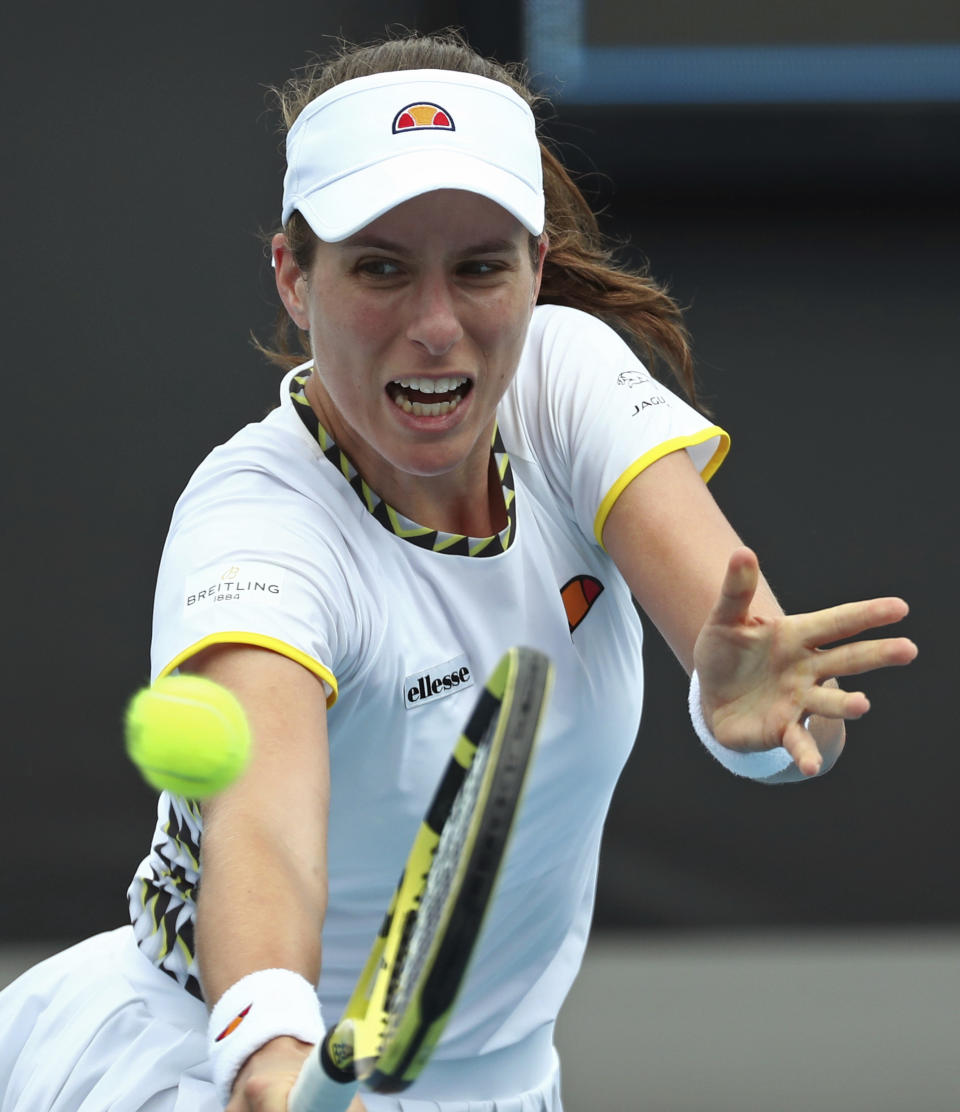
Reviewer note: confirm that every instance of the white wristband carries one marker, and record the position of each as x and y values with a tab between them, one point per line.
261	1006
755	766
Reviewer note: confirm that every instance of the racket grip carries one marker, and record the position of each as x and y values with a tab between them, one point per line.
316	1090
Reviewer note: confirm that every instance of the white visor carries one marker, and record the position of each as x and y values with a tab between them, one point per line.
372	143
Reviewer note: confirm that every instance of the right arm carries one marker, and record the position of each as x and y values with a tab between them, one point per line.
263	889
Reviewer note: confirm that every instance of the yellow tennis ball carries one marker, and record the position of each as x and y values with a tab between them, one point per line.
187	735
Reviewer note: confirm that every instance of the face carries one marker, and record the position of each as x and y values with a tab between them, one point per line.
416	324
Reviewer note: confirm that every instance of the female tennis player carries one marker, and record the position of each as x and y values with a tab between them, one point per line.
470	454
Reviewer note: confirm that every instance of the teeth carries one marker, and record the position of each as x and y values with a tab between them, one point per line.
418	409
431	385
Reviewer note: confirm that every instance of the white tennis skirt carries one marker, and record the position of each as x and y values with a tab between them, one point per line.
97	1028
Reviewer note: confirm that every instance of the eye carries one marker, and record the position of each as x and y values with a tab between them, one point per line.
480	268
377	267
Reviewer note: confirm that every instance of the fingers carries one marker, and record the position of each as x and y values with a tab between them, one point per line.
821	627
865	656
831	702
802	747
738	588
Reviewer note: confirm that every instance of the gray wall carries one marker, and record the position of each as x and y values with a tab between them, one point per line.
139	170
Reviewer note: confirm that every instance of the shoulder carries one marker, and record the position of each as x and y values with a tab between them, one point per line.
555	329
264	469
569	357
269	496
265	516
568	352
268	448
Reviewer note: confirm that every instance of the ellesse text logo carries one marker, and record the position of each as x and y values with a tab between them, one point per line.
435	683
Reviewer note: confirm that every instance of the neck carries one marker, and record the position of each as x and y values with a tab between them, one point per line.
466	500
468	505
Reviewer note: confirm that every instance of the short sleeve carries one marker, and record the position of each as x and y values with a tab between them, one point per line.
241	566
595	417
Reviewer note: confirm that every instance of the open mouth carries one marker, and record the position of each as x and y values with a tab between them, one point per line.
429	397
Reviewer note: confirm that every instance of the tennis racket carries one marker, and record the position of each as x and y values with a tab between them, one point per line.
407	989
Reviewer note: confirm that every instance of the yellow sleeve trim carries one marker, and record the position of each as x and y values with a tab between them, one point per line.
242	637
652	456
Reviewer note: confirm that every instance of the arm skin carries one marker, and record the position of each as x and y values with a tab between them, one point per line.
263	893
761	671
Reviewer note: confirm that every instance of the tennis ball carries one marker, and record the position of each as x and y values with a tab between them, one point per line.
187	735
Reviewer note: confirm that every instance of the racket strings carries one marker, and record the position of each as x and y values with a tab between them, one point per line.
421	927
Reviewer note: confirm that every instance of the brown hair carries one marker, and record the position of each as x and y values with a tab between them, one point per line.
579	271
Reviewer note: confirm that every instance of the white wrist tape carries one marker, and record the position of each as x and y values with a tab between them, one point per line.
755	766
261	1006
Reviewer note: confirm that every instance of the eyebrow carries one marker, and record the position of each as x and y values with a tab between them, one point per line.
487	247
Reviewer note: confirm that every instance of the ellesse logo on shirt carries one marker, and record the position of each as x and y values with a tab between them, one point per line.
436	682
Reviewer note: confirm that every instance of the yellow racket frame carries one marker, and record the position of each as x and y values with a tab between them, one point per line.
387	1051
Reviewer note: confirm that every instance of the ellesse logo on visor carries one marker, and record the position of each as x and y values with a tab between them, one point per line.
423	116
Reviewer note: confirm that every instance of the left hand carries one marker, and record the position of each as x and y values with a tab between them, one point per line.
761	676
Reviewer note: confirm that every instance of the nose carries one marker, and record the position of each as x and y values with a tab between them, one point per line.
434	323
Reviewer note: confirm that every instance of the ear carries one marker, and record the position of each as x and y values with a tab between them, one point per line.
291	282
542	248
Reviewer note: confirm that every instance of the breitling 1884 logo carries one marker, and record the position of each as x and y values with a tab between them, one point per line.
233	583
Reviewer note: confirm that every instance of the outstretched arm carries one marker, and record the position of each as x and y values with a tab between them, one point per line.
263	892
761	672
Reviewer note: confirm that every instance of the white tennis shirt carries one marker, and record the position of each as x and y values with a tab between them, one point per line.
272	544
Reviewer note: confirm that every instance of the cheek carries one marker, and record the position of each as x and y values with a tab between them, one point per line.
350	347
368	327
507	329
347	326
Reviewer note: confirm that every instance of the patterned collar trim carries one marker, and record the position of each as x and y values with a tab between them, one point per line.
450	543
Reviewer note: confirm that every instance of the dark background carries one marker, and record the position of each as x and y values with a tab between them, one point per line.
816	249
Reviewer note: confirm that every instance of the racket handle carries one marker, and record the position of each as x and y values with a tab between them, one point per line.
318	1088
